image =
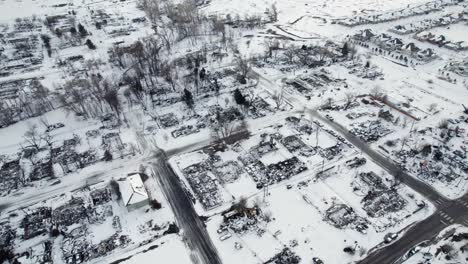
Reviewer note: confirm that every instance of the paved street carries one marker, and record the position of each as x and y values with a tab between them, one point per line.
447	211
194	230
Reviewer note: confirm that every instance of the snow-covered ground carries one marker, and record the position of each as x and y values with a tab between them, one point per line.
311	184
448	247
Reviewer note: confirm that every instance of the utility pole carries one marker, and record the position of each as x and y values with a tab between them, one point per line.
412	125
403	143
265	189
316	136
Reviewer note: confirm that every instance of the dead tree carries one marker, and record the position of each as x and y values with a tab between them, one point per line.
112	99
290	53
244	68
273	13
349	99
33	137
278	97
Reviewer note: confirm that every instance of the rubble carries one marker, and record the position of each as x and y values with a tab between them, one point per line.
370	131
356	162
341	216
185	131
286	256
227	172
204	184
296	145
11	175
72	212
37	222
168	120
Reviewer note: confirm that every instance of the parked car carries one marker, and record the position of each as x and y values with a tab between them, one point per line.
317	261
54	126
225	236
390	237
413	251
421	204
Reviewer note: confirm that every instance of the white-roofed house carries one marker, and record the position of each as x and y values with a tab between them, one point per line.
133	192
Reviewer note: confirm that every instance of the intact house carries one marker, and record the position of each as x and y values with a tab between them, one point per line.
133	192
394	45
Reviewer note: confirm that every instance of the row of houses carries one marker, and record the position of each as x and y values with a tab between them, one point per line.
442	41
427	24
389	43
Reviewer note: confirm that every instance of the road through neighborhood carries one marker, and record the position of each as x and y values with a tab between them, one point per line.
193	227
447	211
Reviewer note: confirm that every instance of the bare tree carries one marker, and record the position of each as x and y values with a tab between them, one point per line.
223	127
376	92
349	99
33	137
152	11
278	97
44	121
112	99
7	114
274	13
290	53
243	67
48	139
74	98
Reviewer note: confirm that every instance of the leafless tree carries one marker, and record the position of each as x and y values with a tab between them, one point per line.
350	97
352	52
243	66
274	13
151	9
112	99
41	95
290	53
44	122
376	92
278	97
321	53
7	114
74	98
33	137
48	139
224	127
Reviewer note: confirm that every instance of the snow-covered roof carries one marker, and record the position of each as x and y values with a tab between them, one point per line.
132	190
